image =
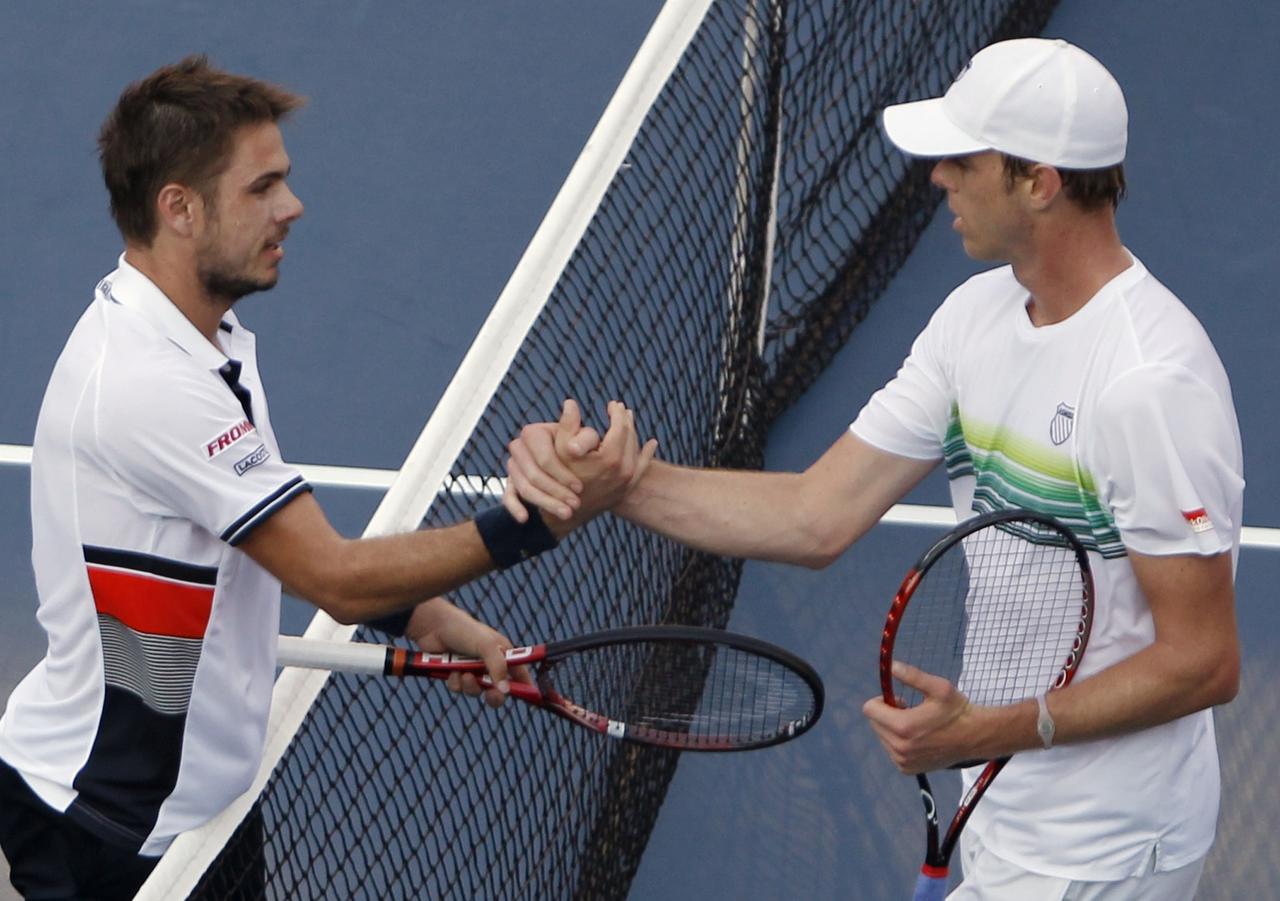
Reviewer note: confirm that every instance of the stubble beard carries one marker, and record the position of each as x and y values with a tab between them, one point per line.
219	279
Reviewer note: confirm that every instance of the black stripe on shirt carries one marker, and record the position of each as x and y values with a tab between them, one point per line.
239	530
147	563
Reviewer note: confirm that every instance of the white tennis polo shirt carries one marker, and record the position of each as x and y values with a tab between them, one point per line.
148	713
1118	421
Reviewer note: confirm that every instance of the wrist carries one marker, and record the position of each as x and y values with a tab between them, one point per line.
633	501
996	732
557	526
1045	726
394	624
509	542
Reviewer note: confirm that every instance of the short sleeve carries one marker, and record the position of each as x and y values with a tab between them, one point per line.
910	415
1167	454
185	443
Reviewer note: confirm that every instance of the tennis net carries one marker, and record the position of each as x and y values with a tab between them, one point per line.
734	215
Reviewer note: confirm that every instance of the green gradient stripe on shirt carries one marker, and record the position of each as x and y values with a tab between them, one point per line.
955	452
1013	471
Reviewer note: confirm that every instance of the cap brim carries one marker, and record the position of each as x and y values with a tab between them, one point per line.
923	128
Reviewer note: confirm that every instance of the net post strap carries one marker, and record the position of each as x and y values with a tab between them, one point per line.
452	422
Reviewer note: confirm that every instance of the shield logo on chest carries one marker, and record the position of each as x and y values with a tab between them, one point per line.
1061	424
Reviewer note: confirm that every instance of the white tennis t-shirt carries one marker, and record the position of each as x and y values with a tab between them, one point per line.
1119	422
148	713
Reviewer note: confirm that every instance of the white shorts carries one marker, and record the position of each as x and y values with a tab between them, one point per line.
991	878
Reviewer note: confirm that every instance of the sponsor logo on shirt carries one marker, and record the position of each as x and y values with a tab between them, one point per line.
104	288
258	457
1061	424
221	442
1198	520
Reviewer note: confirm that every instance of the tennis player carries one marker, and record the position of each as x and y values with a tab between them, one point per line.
165	520
1069	381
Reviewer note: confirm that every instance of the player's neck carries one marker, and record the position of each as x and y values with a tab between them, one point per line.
176	278
1068	265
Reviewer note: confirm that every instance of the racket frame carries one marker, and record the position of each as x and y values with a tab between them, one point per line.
938	853
396	661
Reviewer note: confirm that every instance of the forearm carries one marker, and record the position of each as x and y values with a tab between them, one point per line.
1153	687
356	580
1158	684
372	577
1192	663
734	513
805	518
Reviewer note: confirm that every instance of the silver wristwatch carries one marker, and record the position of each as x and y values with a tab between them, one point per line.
1044	723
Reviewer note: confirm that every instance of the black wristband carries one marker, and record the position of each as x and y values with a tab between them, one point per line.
508	541
392	623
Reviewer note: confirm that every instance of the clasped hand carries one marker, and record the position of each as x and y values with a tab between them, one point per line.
569	471
934	734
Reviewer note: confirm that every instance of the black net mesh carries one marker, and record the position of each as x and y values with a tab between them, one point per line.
398	790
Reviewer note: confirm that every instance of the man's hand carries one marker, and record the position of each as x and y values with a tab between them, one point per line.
930	736
568	470
439	627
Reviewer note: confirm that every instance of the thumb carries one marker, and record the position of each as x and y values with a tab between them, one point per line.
571	439
647	454
927	684
570	416
495	663
581	444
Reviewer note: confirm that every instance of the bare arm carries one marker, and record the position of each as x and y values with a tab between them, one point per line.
807	518
1193	663
359	580
354	580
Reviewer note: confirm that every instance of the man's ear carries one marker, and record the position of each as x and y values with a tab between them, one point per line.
1043	185
179	209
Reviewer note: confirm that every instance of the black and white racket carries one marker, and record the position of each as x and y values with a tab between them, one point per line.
682	687
1001	606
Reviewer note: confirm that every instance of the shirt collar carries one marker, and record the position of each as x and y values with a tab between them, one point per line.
130	288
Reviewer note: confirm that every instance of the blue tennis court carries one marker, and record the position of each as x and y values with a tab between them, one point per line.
435	139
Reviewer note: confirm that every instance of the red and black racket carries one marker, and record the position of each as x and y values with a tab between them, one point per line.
1001	606
682	687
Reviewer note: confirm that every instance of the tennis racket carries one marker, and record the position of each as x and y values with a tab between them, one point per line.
1002	607
682	687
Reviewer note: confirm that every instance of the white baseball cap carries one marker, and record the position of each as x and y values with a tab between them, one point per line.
1042	100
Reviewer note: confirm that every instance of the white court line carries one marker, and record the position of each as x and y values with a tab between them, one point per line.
15	454
355	477
347	476
328	476
318	474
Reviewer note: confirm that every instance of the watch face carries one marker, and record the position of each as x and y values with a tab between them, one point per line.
1044	724
1046	732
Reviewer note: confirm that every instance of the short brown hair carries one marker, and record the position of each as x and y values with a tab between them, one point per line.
177	124
1092	189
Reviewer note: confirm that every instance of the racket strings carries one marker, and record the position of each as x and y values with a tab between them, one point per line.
999	614
694	694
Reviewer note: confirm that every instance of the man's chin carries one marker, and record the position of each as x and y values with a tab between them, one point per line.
235	288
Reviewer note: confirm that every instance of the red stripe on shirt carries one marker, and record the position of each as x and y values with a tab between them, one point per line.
148	604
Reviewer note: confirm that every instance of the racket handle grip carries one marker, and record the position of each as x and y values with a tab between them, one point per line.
930	888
